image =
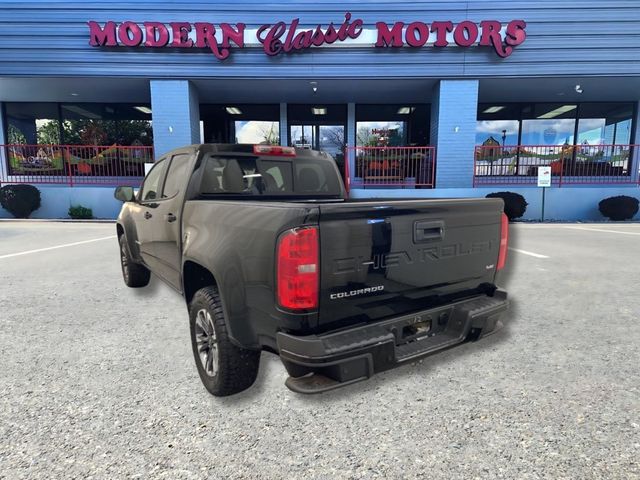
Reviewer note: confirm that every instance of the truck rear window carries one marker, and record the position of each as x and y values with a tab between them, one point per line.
254	175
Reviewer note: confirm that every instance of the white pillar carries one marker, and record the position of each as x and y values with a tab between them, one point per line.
284	126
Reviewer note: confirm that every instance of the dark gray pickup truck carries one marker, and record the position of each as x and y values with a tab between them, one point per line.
270	254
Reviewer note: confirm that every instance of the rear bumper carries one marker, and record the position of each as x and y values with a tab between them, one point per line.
328	361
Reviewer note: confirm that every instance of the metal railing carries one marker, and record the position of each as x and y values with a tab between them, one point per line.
74	164
570	164
391	167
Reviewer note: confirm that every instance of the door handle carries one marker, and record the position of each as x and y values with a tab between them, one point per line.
170	217
428	231
147	215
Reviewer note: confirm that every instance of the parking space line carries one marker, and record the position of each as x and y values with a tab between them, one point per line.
27	252
603	230
531	254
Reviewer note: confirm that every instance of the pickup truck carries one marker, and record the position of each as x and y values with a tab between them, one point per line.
271	255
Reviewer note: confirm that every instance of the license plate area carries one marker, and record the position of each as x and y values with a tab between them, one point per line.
420	326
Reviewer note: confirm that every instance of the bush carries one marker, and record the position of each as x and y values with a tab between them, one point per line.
619	208
20	200
79	212
514	204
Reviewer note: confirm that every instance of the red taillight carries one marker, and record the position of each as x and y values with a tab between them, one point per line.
297	269
504	241
274	150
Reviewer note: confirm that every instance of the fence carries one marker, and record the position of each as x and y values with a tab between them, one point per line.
388	167
74	164
570	164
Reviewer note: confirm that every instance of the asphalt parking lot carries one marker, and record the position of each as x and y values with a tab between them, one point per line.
99	381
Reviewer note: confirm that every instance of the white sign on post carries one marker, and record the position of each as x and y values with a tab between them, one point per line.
544	176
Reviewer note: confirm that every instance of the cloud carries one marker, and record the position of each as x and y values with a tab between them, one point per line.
253	131
496	126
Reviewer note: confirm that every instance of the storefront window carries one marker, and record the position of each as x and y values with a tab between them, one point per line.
605	124
498	124
32	123
257	131
392	125
381	134
106	124
551	124
241	123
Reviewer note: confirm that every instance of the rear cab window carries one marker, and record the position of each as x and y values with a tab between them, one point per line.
232	175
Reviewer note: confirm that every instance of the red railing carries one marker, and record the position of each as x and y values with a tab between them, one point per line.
74	164
384	167
570	164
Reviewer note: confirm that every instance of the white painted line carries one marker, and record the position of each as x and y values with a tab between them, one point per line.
603	230
27	252
524	252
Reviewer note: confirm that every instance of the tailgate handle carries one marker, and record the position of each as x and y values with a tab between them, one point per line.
428	231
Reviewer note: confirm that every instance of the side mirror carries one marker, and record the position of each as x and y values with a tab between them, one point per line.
124	194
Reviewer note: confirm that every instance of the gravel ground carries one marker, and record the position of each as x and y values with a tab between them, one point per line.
98	380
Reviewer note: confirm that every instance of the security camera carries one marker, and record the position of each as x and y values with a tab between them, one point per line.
579	88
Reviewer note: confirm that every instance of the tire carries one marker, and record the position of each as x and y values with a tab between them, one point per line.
133	274
224	368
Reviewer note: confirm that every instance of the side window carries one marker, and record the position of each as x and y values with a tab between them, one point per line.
153	182
176	175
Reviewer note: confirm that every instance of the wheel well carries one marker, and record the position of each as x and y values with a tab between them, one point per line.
195	277
120	230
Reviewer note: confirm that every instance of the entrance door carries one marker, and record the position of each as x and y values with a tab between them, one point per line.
326	138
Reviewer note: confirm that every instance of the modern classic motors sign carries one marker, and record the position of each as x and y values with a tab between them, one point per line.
285	38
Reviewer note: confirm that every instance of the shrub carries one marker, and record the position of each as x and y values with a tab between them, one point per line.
20	200
79	212
514	204
619	208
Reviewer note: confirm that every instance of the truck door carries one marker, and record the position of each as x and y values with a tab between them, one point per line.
167	224
143	212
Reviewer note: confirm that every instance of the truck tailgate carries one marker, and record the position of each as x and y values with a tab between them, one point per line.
386	258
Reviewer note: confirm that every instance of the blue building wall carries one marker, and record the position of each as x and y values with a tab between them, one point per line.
592	39
568	204
453	131
577	37
176	115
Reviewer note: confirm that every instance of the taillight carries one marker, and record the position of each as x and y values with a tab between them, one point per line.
504	241
297	269
274	150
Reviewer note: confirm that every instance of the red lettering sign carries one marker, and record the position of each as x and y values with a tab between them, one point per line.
281	37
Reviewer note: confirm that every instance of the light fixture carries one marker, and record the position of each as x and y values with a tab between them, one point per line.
233	110
579	88
74	94
494	109
314	86
319	110
146	110
405	110
558	111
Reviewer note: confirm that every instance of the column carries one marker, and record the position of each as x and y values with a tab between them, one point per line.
351	140
453	131
3	141
635	159
175	113
284	126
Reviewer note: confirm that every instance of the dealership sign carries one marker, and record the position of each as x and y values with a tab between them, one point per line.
281	37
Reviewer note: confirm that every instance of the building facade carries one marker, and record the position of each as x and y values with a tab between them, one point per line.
433	99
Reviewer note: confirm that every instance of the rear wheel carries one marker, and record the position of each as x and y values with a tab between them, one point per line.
224	368
134	274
